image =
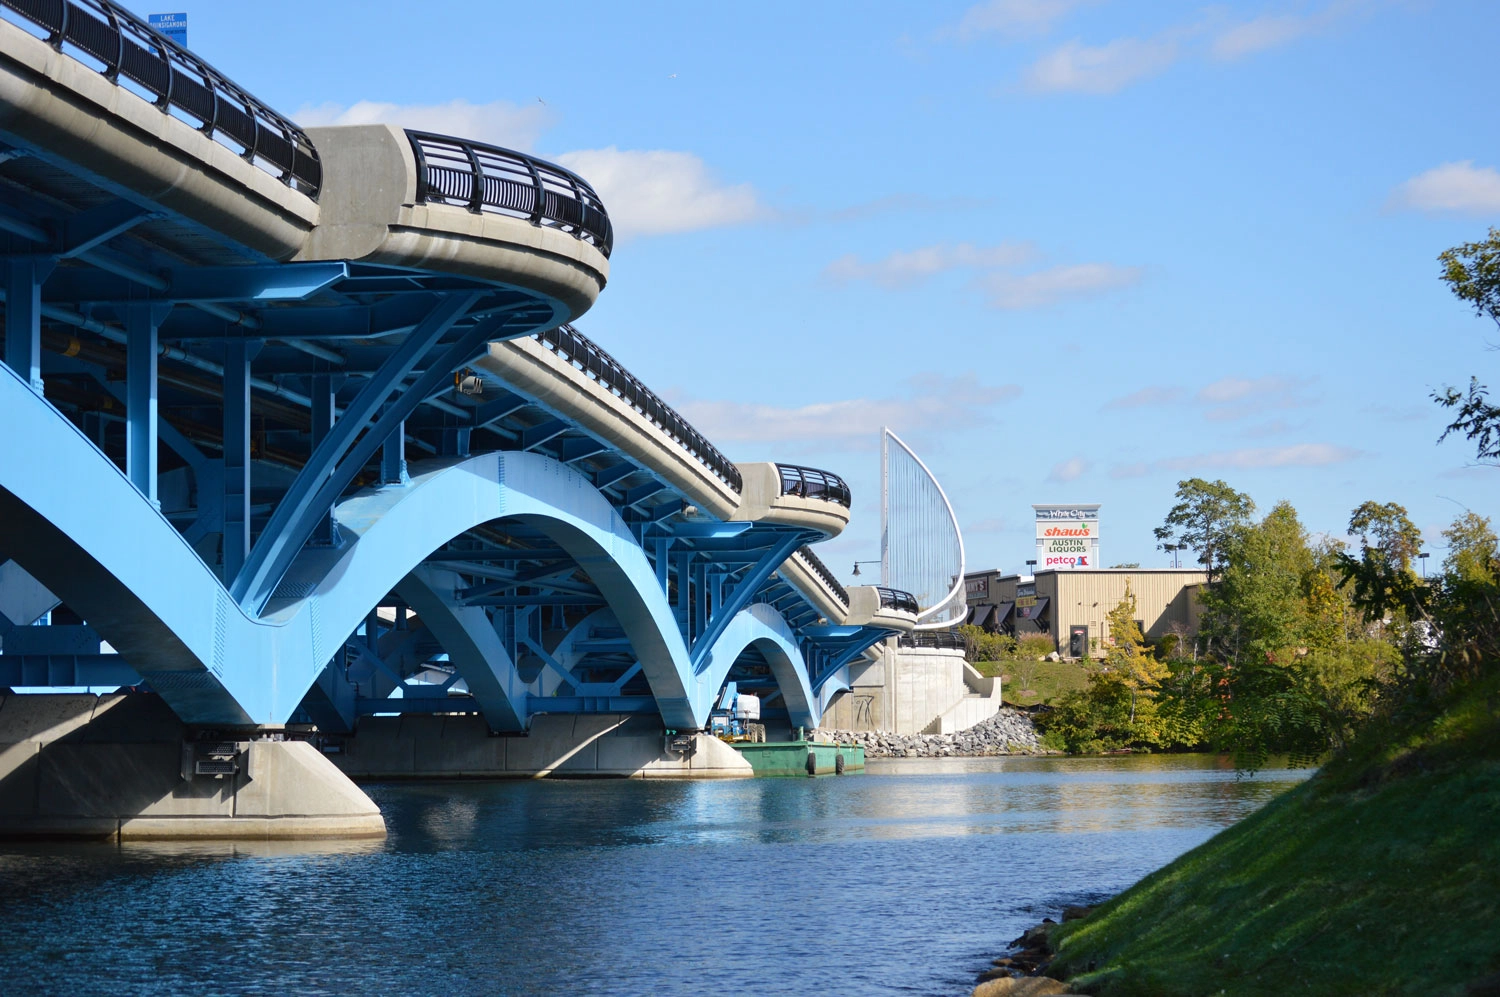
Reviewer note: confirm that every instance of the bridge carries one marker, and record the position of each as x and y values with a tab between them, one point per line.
296	429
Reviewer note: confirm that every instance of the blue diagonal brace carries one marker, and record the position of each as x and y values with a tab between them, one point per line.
296	517
740	598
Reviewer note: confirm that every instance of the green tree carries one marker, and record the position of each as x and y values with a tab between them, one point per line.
1128	655
1381	580
1472	555
1206	517
1472	273
1259	607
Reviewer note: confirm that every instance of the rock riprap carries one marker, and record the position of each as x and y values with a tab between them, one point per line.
1008	732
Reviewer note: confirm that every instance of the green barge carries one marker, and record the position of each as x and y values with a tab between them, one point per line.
802	758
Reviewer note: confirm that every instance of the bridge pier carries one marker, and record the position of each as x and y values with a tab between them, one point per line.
599	745
122	767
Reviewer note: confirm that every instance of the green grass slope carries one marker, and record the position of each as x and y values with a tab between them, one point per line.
1381	875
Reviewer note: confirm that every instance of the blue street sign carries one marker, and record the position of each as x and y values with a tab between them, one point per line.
174	26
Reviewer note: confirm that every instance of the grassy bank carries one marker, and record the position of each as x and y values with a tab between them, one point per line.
1031	682
1381	875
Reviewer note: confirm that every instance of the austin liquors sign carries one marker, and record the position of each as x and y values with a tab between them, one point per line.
1067	537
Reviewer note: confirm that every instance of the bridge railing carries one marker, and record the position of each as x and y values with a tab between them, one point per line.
132	54
902	602
809	482
947	640
583	353
815	564
487	178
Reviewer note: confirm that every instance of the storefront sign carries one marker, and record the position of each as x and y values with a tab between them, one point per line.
1067	537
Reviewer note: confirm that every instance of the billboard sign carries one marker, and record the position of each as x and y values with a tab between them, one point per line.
1067	536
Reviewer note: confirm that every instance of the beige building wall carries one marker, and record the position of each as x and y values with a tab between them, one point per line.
1162	600
1165	600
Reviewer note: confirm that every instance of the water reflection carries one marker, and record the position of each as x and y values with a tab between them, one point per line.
903	880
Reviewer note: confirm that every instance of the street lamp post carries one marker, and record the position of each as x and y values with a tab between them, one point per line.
858	563
1423	556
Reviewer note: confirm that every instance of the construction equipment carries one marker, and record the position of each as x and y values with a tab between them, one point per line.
736	717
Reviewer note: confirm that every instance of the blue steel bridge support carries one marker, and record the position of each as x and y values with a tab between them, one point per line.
256	481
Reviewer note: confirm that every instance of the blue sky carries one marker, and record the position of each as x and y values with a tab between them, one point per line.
1072	251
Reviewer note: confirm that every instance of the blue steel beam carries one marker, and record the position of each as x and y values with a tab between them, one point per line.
254	284
474	648
294	520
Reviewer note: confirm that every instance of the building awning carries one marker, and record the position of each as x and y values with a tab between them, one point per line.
1033	612
979	614
1002	612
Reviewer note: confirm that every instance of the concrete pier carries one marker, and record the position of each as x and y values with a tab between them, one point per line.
557	746
122	766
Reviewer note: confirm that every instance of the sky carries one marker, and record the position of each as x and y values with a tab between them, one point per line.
1069	250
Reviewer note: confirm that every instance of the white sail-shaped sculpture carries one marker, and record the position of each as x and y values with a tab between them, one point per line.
921	548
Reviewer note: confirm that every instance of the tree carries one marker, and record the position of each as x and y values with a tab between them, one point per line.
1260	606
1127	655
1381	581
1472	273
1206	517
1472	555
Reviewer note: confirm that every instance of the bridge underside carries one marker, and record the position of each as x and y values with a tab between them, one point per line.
274	491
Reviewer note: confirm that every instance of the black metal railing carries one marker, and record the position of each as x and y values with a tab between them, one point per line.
947	640
583	353
816	566
133	54
902	602
809	482
501	181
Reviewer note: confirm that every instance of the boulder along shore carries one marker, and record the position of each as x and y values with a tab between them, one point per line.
1008	732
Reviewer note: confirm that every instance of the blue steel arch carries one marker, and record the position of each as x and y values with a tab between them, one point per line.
88	534
761	627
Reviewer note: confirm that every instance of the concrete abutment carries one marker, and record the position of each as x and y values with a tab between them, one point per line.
122	766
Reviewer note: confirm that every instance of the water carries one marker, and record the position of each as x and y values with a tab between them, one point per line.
903	880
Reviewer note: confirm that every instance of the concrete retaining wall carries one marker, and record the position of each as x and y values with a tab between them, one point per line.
905	691
558	746
112	767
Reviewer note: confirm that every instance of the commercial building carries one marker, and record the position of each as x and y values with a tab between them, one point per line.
1071	605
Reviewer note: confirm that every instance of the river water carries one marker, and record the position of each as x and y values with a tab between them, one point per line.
906	879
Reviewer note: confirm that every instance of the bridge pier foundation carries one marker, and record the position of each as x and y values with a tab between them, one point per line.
598	746
122	766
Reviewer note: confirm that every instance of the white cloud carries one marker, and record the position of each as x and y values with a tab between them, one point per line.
1260	34
1069	470
498	123
1146	397
1044	287
1250	458
1015	18
910	267
1233	398
651	192
1460	186
932	402
1271	30
1296	455
1102	69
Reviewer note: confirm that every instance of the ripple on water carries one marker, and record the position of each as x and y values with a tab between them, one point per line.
904	880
